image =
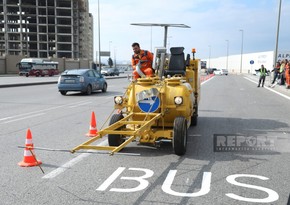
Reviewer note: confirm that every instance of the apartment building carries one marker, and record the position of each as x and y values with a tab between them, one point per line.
46	28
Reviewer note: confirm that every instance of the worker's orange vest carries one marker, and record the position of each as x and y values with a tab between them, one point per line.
143	56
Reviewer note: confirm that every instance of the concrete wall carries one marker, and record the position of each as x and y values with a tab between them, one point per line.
2	65
11	62
8	64
234	61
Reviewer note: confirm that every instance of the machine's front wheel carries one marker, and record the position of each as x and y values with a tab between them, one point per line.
179	141
115	140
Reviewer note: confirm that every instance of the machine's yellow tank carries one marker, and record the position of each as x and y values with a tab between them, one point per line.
162	97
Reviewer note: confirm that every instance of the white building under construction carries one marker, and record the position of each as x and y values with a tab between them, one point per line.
46	28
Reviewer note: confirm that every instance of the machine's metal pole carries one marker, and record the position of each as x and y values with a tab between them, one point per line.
165	36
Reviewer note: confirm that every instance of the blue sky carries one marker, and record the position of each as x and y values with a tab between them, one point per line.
212	22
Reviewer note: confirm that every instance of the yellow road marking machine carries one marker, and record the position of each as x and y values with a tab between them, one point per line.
158	108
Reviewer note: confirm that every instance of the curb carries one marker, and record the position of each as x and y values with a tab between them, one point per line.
27	84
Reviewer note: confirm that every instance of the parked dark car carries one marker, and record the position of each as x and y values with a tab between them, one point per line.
106	71
82	80
115	71
210	70
110	71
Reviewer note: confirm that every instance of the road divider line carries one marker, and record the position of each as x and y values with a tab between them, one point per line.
66	166
5	118
39	111
270	89
29	113
81	104
36	115
70	163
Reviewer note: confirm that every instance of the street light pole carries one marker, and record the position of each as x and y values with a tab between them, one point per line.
227	64
209	54
110	48
99	31
277	34
242	45
115	56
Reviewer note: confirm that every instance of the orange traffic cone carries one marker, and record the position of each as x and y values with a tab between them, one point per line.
29	159
93	127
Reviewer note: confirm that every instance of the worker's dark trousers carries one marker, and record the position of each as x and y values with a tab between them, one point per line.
262	79
275	77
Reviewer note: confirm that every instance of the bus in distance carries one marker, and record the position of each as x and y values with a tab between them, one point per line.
37	67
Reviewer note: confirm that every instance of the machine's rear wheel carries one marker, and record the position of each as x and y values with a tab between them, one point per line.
115	140
179	141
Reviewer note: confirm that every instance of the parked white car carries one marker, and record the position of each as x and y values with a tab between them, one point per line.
225	71
221	72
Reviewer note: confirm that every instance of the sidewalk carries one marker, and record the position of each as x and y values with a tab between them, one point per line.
278	88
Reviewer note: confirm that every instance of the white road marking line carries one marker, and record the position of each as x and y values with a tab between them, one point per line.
30	113
6	118
39	111
70	163
274	91
38	114
81	104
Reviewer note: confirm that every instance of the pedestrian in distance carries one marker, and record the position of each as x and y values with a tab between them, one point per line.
276	74
282	72
263	73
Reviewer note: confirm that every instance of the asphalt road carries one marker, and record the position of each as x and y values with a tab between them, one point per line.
230	106
17	81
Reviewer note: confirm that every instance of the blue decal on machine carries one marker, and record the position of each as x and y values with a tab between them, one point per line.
149	104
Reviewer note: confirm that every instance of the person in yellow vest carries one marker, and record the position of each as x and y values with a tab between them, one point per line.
263	73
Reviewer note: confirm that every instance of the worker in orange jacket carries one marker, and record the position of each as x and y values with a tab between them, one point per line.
145	58
287	74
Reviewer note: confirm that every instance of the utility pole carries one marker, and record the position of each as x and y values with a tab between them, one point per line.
277	34
242	45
